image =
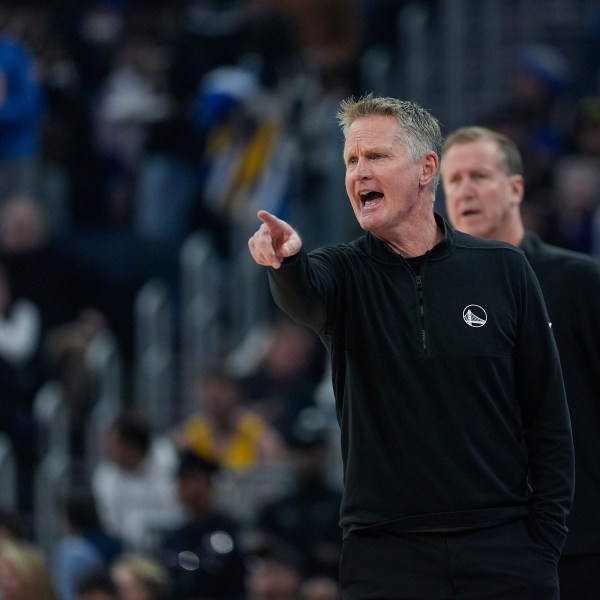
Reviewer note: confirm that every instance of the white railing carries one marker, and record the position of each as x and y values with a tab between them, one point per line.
103	361
52	473
203	305
155	392
8	475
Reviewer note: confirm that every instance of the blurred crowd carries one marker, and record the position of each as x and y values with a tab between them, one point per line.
126	126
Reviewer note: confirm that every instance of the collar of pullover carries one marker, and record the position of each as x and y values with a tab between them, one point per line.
379	249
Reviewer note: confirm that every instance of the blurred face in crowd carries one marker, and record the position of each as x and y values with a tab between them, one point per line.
22	225
270	579
219	397
481	198
195	491
24	574
13	585
131	587
382	181
290	353
319	588
123	453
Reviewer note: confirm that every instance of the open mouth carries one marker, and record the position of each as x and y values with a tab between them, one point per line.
368	198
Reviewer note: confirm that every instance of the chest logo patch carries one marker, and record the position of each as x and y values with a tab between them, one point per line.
474	315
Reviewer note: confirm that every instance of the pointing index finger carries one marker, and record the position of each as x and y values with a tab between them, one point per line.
267	218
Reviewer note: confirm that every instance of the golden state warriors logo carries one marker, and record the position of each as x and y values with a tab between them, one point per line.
474	315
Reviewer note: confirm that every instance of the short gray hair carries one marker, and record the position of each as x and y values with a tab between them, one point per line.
417	128
511	161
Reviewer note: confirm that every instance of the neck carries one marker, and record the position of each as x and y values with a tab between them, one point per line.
513	232
415	240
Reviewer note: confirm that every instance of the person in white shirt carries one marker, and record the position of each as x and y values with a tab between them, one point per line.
135	484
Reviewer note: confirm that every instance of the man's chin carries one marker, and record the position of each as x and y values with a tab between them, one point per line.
478	232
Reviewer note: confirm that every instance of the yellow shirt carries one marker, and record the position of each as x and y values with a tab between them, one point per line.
241	450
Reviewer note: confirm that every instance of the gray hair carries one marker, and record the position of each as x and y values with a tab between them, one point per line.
511	161
417	128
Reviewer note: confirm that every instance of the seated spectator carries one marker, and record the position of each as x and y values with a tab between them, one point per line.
65	356
64	276
141	577
280	377
85	546
319	588
307	517
24	574
97	585
20	340
203	555
273	573
224	429
584	132
20	377
134	483
131	97
22	109
532	115
40	269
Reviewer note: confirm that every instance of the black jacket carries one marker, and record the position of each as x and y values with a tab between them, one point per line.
448	385
570	282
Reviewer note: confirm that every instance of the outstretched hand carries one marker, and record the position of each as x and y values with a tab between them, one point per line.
274	241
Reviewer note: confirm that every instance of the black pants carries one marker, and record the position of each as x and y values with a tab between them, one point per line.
579	577
506	562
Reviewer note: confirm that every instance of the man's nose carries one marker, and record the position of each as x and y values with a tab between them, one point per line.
465	188
362	171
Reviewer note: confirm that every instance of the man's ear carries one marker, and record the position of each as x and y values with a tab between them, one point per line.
517	189
430	165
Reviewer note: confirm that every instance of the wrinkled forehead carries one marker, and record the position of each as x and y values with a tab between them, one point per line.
368	133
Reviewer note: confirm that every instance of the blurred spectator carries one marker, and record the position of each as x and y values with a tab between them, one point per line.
65	356
585	129
575	209
141	577
20	377
247	153
307	517
134	483
133	95
280	379
225	136
21	111
224	429
273	573
330	39
535	116
24	574
20	342
85	546
203	555
98	585
66	276
319	588
215	33
70	298
40	267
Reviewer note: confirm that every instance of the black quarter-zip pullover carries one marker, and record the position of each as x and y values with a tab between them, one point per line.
448	385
